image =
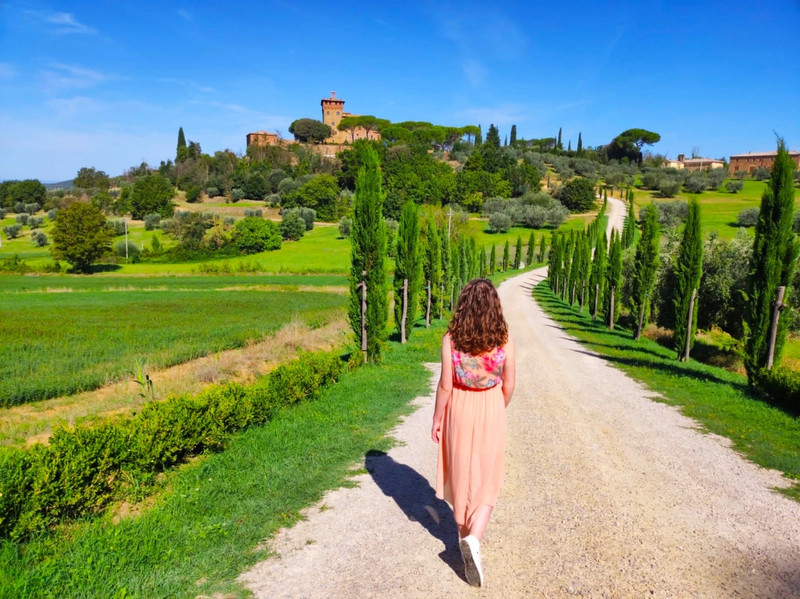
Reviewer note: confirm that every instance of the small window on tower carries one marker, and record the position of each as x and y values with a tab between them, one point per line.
328	112
337	113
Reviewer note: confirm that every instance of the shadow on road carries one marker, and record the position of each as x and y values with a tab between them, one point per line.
419	503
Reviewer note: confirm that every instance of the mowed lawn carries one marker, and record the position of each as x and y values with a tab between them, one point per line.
60	342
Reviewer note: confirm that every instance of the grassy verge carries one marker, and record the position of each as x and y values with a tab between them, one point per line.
718	399
213	516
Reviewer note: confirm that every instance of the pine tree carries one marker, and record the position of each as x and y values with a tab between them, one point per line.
518	252
597	280
579	151
492	260
542	249
629	229
531	247
645	263
513	134
368	254
688	271
775	251
613	280
447	274
432	270
506	263
182	152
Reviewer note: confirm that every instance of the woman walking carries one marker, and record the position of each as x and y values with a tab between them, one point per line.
469	420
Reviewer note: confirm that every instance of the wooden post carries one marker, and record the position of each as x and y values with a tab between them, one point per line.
773	330
596	300
689	327
405	312
611	310
428	310
364	314
583	295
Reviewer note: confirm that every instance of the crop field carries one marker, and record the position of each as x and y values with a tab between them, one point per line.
61	342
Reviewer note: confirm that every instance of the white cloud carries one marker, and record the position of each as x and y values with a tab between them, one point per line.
7	71
474	71
68	24
65	76
505	114
68	107
185	15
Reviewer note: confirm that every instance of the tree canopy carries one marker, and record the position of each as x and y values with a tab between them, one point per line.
81	235
629	143
310	131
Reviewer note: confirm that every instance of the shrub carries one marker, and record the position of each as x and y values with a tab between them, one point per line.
155	243
254	234
761	173
696	182
668	187
748	217
84	467
671	214
651	179
309	215
292	226
19	207
2	213
134	253
34	222
273	199
22	219
499	222
212	191
151	221
345	224
12	231
13	264
253	212
118	226
734	186
39	239
287	185
228	221
780	385
193	193
578	194
51	214
796	222
237	193
32	208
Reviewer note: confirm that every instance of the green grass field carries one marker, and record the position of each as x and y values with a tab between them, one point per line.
60	343
720	400
210	522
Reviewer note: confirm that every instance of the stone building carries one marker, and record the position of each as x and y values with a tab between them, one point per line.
332	113
694	164
753	160
263	138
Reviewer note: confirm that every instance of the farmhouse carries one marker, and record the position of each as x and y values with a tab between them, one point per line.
694	164
753	160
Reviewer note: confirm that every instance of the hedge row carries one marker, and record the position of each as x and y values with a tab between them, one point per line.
781	386
85	467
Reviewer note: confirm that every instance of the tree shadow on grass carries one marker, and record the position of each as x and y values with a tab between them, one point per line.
419	503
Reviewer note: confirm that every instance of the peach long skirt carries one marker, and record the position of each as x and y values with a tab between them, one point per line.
470	473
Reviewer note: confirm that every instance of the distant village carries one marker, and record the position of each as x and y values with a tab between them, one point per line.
333	112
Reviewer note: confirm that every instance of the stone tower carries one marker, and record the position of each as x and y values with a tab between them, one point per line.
332	112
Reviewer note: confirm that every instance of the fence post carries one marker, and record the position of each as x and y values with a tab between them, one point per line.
773	331
405	312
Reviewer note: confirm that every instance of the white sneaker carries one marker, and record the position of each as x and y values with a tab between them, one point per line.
471	554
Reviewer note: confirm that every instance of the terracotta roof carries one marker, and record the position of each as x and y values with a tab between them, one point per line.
701	160
759	154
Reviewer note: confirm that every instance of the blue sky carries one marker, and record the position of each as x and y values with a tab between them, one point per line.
107	84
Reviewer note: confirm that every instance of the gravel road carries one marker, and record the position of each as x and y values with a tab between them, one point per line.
607	494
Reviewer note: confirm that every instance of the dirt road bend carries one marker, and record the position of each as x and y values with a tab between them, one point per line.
607	494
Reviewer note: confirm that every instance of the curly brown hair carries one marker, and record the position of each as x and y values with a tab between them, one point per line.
478	325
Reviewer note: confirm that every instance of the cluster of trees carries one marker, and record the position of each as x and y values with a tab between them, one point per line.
669	181
16	193
685	282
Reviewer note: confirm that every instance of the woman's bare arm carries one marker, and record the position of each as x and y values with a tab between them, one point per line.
444	390
509	371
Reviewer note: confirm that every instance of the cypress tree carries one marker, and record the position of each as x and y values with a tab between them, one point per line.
569	146
518	253
505	140
772	265
432	268
554	262
463	263
513	134
482	262
629	229
586	266
542	248
613	278
408	266
645	263
531	247
597	280
455	262
605	195
446	285
479	137
580	145
505	257
559	145
182	152
492	260
472	249
368	253
568	247
688	271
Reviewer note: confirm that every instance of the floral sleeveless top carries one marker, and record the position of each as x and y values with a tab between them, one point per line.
479	372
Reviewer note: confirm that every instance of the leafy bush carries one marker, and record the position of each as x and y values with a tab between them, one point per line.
13	264
781	386
155	243
51	214
651	179
118	227
748	217
19	207
307	214
499	222
151	221
237	193
83	468
22	219
212	191
253	234
578	194
287	185
273	199
696	182
671	214
761	173
733	186
34	222
716	176
32	208
345	224
193	193
292	226
796	222
2	213
668	187
134	253
228	221
253	212
12	231
39	239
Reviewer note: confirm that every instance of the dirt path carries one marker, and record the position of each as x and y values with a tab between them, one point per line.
616	216
607	494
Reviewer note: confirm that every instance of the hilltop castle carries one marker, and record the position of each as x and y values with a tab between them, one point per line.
332	113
